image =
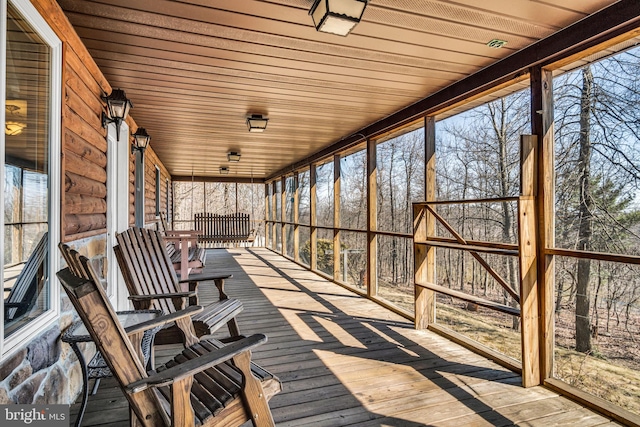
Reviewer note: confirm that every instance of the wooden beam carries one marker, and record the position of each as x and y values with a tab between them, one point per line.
336	217
470	298
542	126
529	293
313	237
372	219
283	214
296	217
424	225
468	247
268	215
239	180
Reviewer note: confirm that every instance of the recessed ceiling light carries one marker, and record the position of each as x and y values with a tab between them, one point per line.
496	43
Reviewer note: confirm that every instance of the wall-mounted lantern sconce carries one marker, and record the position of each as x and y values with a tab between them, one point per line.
140	140
233	156
257	123
337	16
118	106
224	171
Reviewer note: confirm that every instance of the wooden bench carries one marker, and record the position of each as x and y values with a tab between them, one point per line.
208	384
24	292
223	228
153	284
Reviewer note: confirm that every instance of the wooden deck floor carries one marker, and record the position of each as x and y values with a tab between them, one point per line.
345	361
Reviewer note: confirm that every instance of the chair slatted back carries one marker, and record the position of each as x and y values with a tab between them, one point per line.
24	292
93	307
146	266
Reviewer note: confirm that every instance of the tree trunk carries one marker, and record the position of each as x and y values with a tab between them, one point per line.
585	209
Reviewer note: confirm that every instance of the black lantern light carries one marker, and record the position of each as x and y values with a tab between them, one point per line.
118	106
257	123
337	16
140	140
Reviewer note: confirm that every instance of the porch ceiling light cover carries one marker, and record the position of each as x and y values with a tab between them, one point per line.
14	121
14	128
257	123
233	156
118	106
141	140
337	16
224	171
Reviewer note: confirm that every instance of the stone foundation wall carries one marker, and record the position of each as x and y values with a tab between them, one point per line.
45	371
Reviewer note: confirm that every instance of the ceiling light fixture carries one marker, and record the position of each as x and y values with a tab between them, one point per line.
257	123
118	106
496	43
233	156
15	126
141	140
224	171
337	16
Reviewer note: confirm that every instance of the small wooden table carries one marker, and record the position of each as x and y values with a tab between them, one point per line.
97	367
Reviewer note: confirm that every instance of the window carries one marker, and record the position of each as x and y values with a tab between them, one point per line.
30	148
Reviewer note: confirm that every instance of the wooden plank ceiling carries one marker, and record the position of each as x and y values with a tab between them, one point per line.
195	69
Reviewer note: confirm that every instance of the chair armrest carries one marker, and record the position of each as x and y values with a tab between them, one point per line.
163	320
185	294
203	277
196	365
178	233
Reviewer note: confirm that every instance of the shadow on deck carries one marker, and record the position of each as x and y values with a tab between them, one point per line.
344	360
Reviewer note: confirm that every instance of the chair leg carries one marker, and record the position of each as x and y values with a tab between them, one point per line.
252	393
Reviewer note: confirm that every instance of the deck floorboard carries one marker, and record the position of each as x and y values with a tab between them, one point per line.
346	361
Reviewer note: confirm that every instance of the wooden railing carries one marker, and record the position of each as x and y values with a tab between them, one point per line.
524	293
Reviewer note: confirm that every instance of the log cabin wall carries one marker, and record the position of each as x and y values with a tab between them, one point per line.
45	370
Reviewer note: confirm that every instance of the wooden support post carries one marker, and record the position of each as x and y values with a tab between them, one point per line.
528	262
336	217
283	214
313	236
542	122
267	215
296	217
274	225
372	219
425	225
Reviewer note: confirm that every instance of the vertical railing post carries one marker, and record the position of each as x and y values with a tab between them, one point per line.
313	236
336	217
296	217
267	215
424	225
372	219
529	309
283	213
542	124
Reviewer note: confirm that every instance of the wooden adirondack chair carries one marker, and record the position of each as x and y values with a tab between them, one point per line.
24	292
152	283
208	384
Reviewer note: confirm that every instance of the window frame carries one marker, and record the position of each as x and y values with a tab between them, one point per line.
9	345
